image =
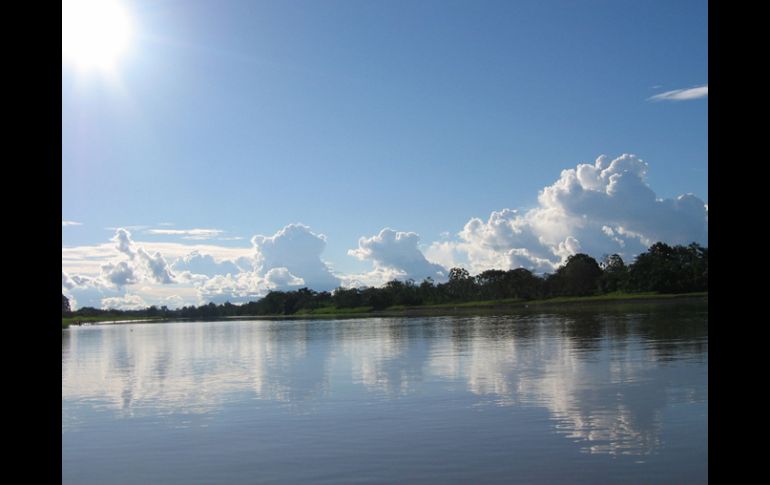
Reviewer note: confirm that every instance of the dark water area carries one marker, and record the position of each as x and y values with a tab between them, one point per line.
563	397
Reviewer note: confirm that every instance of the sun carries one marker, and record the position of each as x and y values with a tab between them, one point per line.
95	33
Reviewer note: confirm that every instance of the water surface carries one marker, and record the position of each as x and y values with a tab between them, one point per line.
581	397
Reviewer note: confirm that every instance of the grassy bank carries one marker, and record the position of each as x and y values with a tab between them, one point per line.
484	306
67	321
610	300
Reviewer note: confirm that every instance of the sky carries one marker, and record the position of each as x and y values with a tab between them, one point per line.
233	147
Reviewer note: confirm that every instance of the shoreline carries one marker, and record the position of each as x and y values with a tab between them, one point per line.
466	308
486	308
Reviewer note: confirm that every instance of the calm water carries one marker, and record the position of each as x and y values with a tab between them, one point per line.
542	398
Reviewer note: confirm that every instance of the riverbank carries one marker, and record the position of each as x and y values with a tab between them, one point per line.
506	306
67	321
600	302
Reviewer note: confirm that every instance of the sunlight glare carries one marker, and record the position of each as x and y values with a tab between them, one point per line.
94	33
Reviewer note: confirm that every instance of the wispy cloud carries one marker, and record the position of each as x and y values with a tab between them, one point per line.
130	228
70	223
682	94
197	234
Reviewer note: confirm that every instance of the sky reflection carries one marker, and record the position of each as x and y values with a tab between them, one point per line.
605	381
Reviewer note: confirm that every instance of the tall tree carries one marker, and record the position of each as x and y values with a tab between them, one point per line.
581	275
461	285
614	274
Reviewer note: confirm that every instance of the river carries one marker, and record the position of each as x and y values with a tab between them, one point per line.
560	397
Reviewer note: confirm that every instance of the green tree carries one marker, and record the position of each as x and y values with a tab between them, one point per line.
668	269
521	283
614	274
492	284
655	270
580	275
460	285
347	297
428	292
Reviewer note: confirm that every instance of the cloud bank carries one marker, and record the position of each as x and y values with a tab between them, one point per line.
601	208
597	208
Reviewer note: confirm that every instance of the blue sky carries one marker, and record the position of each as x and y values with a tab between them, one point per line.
354	116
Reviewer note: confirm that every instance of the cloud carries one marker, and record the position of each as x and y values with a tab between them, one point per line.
282	278
396	255
506	240
682	94
298	249
87	260
152	266
196	234
205	264
123	242
70	223
191	278
93	273
85	291
137	227
240	288
376	277
120	274
616	194
174	302
601	208
597	208
77	281
172	296
157	267
288	259
66	281
127	302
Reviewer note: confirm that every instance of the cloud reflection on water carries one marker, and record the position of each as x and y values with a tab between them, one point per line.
604	380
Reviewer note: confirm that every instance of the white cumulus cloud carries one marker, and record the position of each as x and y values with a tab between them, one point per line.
123	242
396	255
600	208
240	288
597	208
282	278
127	302
156	267
119	274
107	270
205	264
298	249
148	266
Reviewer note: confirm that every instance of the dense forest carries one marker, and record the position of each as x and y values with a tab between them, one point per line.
662	269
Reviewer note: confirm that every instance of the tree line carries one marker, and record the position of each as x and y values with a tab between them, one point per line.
662	269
